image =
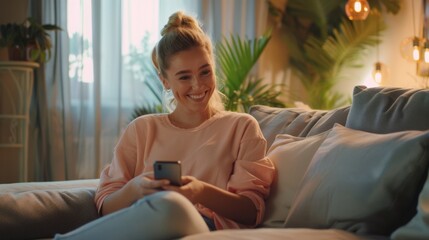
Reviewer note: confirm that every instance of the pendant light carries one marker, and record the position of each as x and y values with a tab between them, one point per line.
411	48
357	9
379	74
422	69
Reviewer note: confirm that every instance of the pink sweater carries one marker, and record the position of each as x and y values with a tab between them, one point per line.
228	151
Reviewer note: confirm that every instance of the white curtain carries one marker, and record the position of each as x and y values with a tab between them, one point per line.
100	73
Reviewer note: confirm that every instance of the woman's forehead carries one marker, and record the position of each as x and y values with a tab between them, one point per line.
191	59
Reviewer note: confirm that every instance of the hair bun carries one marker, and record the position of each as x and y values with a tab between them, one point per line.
180	20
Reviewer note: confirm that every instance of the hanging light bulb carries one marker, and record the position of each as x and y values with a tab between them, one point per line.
357	9
416	49
411	49
426	51
379	74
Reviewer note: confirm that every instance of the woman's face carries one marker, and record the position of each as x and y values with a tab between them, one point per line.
191	79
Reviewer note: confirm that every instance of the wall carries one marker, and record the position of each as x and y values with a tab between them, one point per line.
401	72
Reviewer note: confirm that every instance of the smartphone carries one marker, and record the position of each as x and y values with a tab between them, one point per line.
170	170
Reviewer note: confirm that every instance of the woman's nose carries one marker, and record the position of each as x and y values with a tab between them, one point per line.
195	82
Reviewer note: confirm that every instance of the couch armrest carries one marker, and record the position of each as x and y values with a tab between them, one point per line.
40	210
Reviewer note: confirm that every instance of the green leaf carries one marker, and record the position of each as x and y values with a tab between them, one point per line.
236	57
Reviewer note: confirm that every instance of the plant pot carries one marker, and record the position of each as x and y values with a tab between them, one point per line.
17	53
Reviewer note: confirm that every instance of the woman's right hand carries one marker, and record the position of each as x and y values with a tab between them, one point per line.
144	184
138	187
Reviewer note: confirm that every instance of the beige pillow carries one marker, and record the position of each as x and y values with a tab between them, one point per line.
362	182
291	156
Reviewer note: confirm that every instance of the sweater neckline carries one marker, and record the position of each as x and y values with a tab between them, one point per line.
203	125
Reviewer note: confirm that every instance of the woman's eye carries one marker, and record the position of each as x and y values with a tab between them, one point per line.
185	77
205	72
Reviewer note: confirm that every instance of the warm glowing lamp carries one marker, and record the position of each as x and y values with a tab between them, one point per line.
379	74
411	49
357	9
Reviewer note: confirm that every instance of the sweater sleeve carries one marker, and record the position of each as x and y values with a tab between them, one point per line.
122	168
253	172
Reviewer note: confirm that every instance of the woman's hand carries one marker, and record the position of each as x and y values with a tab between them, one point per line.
144	184
231	205
136	188
191	188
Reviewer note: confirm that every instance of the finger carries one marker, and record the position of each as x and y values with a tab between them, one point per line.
148	175
186	180
171	188
157	183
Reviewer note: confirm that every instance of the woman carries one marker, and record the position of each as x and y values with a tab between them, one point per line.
226	175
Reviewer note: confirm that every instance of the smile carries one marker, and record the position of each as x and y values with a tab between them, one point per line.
197	96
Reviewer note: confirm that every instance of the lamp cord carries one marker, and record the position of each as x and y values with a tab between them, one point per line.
414	20
378	37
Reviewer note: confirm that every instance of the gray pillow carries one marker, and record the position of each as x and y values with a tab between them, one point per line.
362	182
385	110
42	213
295	121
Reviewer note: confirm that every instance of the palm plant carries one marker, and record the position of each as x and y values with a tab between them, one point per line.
236	58
322	41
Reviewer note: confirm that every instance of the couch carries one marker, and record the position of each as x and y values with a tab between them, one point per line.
355	172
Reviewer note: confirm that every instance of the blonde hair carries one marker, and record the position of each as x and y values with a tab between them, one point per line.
183	32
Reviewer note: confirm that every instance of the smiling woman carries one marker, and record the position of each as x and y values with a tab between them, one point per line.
210	138
101	71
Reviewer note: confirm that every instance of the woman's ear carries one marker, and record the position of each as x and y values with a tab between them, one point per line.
164	82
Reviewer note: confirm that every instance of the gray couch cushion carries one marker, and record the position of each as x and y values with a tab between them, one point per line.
39	210
385	110
354	184
295	121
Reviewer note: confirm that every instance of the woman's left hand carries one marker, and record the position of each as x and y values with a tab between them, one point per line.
191	188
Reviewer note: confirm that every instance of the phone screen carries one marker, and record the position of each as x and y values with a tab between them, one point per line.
170	170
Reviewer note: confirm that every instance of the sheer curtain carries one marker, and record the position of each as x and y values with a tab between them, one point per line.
100	72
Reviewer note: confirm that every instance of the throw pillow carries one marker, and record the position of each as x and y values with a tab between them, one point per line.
362	182
42	209
291	156
387	109
295	121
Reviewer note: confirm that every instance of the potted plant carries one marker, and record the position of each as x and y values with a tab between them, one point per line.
27	41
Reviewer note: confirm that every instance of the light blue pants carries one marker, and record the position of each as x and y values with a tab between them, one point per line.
163	215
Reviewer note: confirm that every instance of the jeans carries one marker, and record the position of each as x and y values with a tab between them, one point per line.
163	215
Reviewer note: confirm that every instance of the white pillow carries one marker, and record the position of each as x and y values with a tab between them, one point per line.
362	182
291	156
